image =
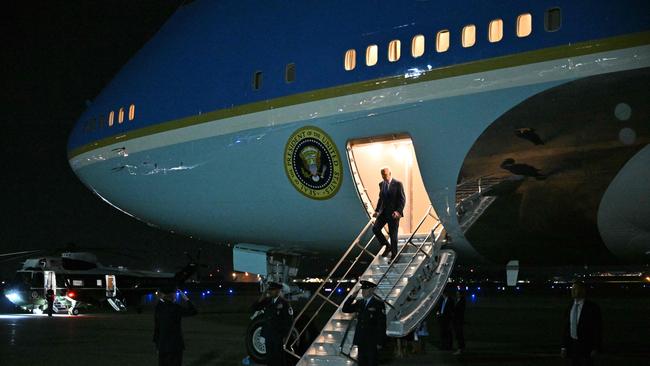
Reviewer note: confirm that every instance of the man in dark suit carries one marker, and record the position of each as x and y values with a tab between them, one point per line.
278	317
445	313
582	330
49	297
370	332
167	334
458	321
390	208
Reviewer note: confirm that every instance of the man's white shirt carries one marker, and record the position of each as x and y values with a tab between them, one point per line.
574	317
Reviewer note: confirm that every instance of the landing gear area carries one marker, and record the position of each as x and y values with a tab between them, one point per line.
276	267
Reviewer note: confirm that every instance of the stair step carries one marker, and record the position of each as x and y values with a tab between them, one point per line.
328	361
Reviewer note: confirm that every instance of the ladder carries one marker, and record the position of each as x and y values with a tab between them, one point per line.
409	286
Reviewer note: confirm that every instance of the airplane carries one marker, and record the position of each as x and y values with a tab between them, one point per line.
520	126
80	281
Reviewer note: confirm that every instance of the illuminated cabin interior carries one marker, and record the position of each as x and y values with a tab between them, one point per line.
367	158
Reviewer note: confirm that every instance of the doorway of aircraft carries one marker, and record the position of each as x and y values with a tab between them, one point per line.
368	156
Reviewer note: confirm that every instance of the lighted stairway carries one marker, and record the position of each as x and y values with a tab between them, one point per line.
409	286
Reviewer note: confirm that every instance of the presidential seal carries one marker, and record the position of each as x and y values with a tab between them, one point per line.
313	163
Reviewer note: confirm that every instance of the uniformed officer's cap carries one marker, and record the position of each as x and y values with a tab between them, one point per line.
275	285
367	284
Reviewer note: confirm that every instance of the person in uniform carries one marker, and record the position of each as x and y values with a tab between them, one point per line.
167	334
370	332
582	330
458	321
49	297
390	208
278	318
445	315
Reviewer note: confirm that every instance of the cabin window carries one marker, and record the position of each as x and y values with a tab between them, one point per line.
553	20
371	55
120	116
99	283
78	283
257	80
495	30
350	60
524	25
442	41
394	50
469	35
132	112
417	46
290	73
111	118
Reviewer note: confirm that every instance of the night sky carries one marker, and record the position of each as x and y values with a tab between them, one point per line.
57	55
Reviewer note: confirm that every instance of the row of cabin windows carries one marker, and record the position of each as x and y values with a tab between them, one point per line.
524	28
120	115
98	123
289	76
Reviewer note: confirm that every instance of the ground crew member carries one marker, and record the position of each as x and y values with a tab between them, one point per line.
370	332
49	296
278	317
168	335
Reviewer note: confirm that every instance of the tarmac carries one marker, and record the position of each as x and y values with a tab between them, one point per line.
502	329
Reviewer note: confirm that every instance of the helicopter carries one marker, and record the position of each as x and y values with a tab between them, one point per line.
80	281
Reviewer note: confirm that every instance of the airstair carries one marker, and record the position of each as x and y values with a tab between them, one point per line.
473	197
409	286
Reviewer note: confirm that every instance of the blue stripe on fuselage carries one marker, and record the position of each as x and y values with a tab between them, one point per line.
204	57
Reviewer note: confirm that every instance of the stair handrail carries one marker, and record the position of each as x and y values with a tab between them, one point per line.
408	241
355	243
385	299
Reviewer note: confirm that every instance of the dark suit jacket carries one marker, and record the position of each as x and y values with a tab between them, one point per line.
167	334
458	317
589	327
371	321
447	314
391	200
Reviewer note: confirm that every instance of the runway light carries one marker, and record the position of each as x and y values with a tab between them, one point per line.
185	292
208	292
647	278
339	290
230	291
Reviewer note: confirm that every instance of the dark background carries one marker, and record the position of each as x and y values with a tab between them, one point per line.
57	55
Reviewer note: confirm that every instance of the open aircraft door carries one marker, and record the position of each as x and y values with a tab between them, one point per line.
111	286
369	155
111	294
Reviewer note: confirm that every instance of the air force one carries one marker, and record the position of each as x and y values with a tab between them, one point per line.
519	128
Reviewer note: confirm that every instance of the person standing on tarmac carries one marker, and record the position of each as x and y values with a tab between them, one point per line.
278	317
370	332
49	296
168	335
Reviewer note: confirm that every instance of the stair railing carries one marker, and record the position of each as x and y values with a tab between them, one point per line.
288	346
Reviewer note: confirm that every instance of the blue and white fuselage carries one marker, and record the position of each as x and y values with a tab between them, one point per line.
201	151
